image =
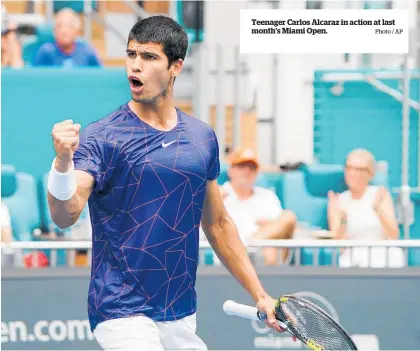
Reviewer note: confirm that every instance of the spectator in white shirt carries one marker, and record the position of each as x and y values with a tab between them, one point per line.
256	211
364	212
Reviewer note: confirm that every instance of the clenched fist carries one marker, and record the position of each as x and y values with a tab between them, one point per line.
66	140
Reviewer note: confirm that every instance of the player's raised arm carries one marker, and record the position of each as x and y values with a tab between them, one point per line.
223	236
68	189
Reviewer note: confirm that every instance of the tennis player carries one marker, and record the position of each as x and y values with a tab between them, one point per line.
149	173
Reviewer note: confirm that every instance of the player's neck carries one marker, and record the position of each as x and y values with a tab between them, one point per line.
160	116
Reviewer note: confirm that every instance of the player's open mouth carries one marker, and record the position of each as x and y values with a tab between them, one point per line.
135	82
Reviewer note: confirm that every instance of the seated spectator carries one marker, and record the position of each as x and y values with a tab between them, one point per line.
363	212
11	50
256	211
6	224
66	51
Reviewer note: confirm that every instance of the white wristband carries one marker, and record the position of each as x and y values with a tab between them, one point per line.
62	185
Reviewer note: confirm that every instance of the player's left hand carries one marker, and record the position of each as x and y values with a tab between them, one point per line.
268	306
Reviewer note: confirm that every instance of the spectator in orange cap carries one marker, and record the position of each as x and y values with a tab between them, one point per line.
256	211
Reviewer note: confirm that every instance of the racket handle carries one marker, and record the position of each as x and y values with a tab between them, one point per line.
236	309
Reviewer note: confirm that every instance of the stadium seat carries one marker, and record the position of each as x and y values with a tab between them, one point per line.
44	34
29	49
297	198
18	192
76	6
223	176
273	181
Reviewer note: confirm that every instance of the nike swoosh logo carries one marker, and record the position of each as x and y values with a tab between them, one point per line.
166	145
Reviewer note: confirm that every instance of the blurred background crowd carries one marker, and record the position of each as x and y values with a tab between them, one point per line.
312	146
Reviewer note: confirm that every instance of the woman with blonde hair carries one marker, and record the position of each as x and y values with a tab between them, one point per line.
364	212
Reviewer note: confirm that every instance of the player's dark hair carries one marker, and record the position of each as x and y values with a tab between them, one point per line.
162	30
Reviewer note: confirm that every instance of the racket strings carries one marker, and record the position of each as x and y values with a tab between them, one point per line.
313	326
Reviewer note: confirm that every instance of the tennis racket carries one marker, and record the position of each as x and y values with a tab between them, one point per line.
300	317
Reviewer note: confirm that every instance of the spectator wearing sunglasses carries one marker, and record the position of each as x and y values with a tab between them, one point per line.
364	211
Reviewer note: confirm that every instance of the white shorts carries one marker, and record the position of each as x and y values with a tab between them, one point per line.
140	333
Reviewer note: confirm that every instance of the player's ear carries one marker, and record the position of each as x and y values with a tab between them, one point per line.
176	67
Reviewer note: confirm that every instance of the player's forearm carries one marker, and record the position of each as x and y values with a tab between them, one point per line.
64	213
225	241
